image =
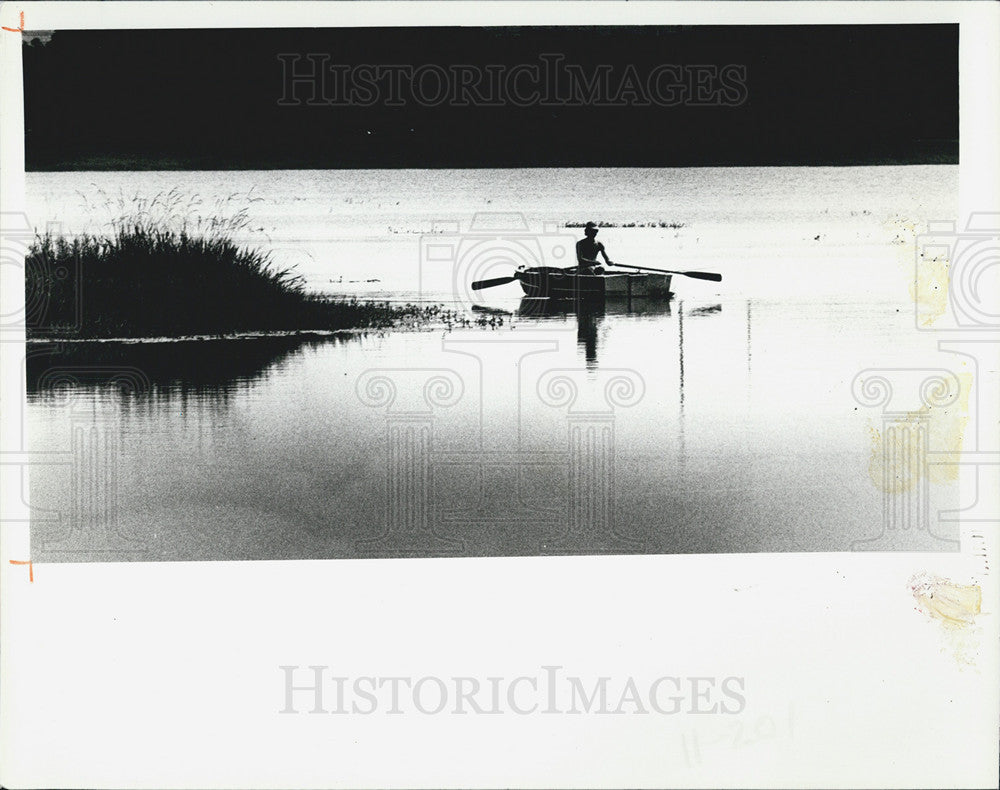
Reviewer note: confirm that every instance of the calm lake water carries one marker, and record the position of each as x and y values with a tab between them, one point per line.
722	421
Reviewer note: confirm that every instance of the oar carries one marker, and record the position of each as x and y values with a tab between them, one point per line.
480	284
715	278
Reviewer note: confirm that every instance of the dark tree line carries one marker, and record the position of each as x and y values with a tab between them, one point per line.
211	99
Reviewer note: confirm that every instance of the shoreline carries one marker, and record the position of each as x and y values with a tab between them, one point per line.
160	166
259	335
249	335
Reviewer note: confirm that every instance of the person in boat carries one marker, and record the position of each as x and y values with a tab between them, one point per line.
587	250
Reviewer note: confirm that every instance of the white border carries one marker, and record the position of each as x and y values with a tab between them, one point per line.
165	675
404	13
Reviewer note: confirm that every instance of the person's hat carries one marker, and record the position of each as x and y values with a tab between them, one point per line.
590	226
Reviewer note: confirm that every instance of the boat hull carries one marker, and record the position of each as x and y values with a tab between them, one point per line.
558	284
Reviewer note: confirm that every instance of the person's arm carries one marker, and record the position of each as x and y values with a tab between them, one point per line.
604	255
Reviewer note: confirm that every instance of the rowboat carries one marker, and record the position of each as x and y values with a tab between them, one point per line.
546	281
552	283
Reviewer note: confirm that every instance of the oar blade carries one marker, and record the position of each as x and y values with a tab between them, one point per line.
480	284
712	276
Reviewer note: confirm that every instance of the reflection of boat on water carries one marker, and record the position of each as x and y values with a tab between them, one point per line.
557	283
536	307
589	315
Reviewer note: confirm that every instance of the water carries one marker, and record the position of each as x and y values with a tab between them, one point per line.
722	421
344	229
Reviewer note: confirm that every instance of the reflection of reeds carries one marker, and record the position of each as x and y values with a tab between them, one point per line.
163	370
160	271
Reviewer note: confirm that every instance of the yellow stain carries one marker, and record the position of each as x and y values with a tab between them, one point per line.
929	290
955	608
929	286
897	459
951	603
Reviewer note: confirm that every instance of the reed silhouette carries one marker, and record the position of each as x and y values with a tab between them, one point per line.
161	270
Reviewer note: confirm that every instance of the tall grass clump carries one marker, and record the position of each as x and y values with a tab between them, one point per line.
158	272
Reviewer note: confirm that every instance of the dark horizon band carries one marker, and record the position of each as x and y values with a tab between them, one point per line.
648	96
